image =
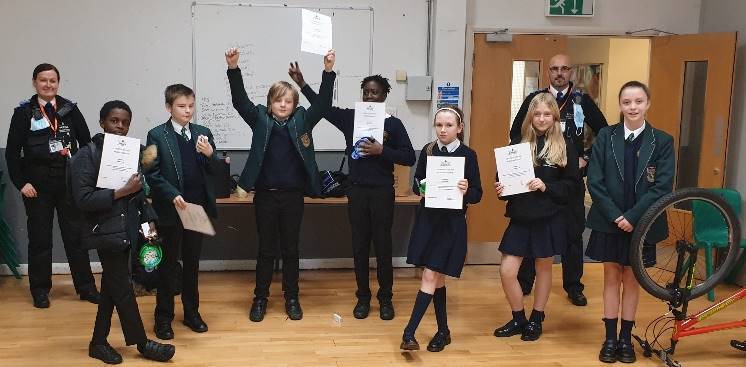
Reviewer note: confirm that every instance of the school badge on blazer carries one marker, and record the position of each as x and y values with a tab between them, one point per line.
385	136
650	174
305	140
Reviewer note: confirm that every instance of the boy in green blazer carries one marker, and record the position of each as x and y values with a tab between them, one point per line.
281	168
180	174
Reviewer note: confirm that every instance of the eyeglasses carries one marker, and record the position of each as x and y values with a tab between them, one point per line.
557	69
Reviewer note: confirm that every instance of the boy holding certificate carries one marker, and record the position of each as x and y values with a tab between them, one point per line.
371	197
438	241
186	157
537	229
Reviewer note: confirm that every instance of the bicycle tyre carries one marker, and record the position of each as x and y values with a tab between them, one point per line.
659	208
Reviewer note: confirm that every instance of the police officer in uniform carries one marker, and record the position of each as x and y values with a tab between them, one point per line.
45	131
578	112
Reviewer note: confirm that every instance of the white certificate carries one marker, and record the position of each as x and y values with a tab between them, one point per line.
195	219
118	161
369	119
443	175
316	33
515	168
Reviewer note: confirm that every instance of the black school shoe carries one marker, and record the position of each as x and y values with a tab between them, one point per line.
625	351
41	300
293	309
408	342
361	310
531	332
577	299
386	310
105	353
258	309
195	322
92	296
163	330
156	351
439	341
509	329
608	351
740	345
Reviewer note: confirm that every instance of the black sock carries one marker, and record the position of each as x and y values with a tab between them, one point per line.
420	306
610	328
439	302
625	332
536	316
520	317
141	345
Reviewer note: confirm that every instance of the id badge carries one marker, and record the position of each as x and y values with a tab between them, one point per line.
55	145
562	125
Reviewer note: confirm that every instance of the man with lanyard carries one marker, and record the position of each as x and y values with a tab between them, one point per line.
577	111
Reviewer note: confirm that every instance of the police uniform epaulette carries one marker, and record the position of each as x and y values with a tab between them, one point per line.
24	103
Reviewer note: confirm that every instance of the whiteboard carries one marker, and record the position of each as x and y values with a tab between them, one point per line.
269	37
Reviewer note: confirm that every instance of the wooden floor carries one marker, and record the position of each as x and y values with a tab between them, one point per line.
476	305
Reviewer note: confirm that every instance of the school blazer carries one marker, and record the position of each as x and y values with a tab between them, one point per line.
654	176
165	176
300	125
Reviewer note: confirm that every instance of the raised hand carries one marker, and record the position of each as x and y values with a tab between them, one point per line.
296	75
329	60
231	57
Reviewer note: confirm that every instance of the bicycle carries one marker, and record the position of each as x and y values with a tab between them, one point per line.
677	276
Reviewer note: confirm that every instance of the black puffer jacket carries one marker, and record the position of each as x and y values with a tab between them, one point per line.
98	204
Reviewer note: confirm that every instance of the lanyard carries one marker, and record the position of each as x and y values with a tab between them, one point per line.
52	122
567	98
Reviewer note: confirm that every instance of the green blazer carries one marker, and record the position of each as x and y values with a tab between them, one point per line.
300	125
654	175
165	175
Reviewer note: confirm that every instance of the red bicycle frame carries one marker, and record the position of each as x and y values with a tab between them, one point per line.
686	327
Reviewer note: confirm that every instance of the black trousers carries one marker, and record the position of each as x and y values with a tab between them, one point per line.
177	238
371	211
51	196
278	218
572	260
116	291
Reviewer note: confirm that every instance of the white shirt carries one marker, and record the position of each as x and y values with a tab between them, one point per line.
451	147
554	91
637	132
177	128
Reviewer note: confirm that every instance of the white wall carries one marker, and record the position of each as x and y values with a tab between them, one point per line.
727	16
611	16
133	49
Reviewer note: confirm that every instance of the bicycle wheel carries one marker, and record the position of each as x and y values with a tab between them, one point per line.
692	217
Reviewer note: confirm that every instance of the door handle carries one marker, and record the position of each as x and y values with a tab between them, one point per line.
716	171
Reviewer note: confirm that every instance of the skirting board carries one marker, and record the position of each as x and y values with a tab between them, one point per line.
479	254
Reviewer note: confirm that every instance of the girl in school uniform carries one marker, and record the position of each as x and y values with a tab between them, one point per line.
632	166
537	228
438	241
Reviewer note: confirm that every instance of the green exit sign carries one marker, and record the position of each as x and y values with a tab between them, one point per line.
570	8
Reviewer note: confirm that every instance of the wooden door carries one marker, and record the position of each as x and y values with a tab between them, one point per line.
691	82
490	116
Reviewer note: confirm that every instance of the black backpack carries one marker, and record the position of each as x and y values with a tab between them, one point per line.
334	184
